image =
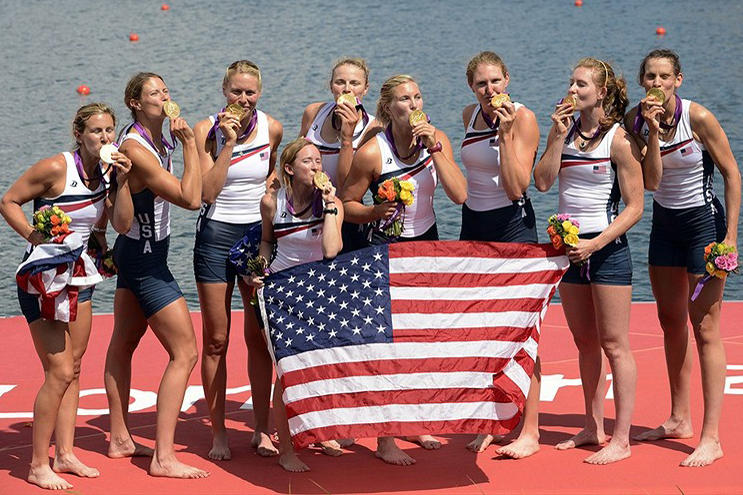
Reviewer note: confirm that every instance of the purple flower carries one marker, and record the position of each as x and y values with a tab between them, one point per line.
727	262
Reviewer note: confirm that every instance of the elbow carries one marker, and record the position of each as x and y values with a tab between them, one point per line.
122	227
651	186
541	186
192	205
460	198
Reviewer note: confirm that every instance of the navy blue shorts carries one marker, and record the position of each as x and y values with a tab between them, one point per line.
144	271
214	239
513	223
611	265
30	303
353	236
678	236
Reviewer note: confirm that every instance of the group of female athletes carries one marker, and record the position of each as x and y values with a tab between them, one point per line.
600	150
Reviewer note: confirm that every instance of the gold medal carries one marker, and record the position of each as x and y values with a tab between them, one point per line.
105	153
321	180
657	94
498	100
417	116
236	109
347	98
171	109
571	100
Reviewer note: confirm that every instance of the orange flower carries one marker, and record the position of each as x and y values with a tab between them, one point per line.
708	249
55	230
54	219
557	241
551	230
64	228
387	191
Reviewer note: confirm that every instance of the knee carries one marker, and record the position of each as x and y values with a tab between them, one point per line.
215	345
186	357
586	344
61	376
615	349
76	366
671	321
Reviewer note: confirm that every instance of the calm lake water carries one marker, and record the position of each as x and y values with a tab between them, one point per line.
51	47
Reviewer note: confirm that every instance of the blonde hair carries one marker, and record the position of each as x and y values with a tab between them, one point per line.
242	67
490	58
288	155
133	90
616	101
357	62
84	113
385	95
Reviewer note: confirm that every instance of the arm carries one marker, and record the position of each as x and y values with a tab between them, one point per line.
186	192
705	125
450	175
349	118
518	136
626	155
652	166
214	172
275	135
548	166
366	167
37	181
268	210
331	230
119	206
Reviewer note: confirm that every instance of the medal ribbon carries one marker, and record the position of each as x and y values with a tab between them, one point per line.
251	126
640	120
391	139
80	171
488	120
316	204
336	121
146	135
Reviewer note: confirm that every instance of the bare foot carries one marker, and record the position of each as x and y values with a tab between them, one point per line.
389	452
613	452
583	437
127	448
482	442
670	429
426	441
263	445
44	477
331	448
707	452
220	447
173	468
523	446
346	442
69	463
291	462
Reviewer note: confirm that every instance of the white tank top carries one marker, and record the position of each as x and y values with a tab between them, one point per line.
481	158
151	212
240	199
297	240
688	169
589	188
418	217
329	151
84	206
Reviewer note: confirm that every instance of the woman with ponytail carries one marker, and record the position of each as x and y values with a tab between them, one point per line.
682	143
597	164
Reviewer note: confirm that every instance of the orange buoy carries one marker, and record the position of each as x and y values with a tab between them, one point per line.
660	31
83	89
133	37
165	6
579	3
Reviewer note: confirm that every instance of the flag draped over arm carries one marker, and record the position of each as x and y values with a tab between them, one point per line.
410	338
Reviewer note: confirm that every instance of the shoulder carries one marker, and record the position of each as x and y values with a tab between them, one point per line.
137	153
53	165
268	202
467	113
368	152
275	128
622	144
699	114
526	116
374	128
201	129
311	111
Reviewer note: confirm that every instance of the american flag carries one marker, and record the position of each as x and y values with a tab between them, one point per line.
409	338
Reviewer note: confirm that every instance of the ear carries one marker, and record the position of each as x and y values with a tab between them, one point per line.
288	170
602	93
679	80
506	78
135	104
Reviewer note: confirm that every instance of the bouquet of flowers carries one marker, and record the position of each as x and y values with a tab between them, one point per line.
104	260
51	221
400	191
563	230
257	265
721	260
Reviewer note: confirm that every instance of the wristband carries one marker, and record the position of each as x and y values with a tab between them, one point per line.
99	230
436	147
331	211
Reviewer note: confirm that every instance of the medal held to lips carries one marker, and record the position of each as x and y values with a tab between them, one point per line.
346	98
321	180
236	109
171	109
417	116
657	94
498	100
106	151
570	100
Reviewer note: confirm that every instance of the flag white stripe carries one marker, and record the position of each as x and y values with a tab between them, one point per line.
399	350
521	319
408	413
433	264
391	382
518	375
472	293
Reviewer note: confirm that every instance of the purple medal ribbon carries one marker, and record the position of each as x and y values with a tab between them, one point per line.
576	128
251	126
640	120
316	204
399	209
488	120
700	286
146	135
79	165
391	140
585	270
336	121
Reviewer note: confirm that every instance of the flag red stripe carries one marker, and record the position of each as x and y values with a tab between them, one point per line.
428	306
477	139
473	249
473	279
281	233
392	366
247	155
513	334
309	437
385	397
